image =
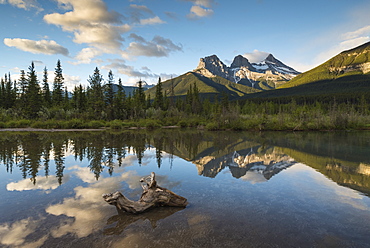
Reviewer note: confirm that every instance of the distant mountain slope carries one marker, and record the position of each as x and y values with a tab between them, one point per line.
345	76
206	86
348	63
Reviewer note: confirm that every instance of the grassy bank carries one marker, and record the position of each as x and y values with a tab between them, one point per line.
253	122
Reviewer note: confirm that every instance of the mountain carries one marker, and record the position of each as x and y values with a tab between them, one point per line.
241	78
345	76
267	74
207	86
129	90
355	61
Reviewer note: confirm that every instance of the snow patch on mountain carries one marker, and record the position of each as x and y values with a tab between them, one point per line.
268	70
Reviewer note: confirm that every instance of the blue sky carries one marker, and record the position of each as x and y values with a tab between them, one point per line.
145	39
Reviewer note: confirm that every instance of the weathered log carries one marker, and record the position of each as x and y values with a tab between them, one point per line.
152	196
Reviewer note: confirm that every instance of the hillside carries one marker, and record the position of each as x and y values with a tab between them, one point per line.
345	76
209	87
346	64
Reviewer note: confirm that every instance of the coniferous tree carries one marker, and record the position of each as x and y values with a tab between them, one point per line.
96	96
158	98
120	108
46	95
79	100
23	85
58	85
139	101
32	95
2	93
10	93
66	99
109	95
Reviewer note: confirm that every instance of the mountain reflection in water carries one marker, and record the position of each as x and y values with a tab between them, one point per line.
52	183
266	162
246	155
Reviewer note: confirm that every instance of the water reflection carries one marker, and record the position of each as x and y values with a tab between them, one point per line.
54	182
246	155
122	220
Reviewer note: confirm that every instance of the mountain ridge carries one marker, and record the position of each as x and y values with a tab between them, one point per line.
267	74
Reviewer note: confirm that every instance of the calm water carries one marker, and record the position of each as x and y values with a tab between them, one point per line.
244	189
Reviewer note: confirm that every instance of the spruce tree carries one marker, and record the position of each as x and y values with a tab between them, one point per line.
109	95
120	109
58	85
10	92
95	95
158	98
2	93
46	95
32	95
139	101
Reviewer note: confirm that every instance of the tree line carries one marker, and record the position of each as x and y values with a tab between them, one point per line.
105	101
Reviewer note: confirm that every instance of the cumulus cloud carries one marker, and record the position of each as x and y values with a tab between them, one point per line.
23	4
204	3
40	46
200	9
256	56
157	47
42	183
138	12
142	15
14	235
151	21
86	55
121	67
92	24
197	11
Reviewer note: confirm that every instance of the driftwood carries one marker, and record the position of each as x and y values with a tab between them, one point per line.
152	196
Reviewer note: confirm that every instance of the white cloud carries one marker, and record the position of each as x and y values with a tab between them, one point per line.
121	67
256	56
23	4
43	183
364	31
347	41
204	3
86	55
92	24
152	21
40	46
14	235
157	47
197	11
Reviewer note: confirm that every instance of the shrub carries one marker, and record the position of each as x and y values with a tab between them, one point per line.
182	124
212	126
116	124
152	124
96	124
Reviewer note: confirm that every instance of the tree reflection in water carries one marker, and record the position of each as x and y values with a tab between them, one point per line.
333	154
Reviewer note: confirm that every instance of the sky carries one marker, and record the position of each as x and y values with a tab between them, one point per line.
148	39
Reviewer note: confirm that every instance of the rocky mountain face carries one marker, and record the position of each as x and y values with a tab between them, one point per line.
267	74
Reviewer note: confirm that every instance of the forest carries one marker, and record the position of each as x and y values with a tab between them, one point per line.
31	102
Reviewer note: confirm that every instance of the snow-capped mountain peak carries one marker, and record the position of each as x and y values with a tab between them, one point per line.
263	75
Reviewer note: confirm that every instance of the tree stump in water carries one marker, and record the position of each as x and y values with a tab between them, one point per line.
152	196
